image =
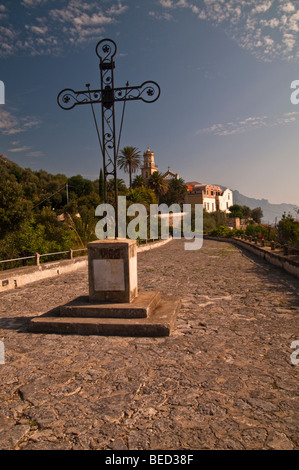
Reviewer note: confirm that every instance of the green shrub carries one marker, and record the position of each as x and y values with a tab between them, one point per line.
256	231
222	231
288	231
238	232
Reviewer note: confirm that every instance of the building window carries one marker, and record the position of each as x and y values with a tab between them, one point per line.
228	196
208	206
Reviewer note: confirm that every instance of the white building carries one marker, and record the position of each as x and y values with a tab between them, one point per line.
212	197
170	175
226	200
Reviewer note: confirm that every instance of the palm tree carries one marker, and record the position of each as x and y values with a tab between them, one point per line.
138	182
158	183
177	190
121	187
142	195
129	160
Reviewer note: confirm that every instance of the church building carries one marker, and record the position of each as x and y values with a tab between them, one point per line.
149	166
212	197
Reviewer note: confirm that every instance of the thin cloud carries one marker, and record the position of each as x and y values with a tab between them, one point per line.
268	29
35	154
10	124
33	3
74	22
287	7
160	16
25	151
3	13
19	149
249	124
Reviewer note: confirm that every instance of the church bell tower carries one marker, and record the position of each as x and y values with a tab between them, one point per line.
149	166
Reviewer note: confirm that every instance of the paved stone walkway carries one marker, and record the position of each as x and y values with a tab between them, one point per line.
223	380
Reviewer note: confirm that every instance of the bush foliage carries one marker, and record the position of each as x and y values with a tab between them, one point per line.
37	216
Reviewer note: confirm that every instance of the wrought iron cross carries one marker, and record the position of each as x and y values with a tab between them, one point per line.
108	95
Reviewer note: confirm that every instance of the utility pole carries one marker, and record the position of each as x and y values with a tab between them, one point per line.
67	192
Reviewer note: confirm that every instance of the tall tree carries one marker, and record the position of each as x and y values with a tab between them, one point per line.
80	186
158	183
176	192
138	182
257	214
246	211
129	160
236	211
121	189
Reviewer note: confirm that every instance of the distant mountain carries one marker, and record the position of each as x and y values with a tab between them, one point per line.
270	211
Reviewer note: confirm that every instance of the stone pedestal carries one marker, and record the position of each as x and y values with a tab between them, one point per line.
112	270
113	307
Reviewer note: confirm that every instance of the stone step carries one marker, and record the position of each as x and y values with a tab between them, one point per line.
140	307
160	322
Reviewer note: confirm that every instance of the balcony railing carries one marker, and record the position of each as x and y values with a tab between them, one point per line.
37	256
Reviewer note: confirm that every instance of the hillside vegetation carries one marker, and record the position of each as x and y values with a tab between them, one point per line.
45	213
30	203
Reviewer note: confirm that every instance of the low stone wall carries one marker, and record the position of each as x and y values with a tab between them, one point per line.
151	246
288	263
14	278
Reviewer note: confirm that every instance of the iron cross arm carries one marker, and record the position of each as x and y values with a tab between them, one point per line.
148	92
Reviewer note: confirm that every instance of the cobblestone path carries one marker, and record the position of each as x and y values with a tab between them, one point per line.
223	380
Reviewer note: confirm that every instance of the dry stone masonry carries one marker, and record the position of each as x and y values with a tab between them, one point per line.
223	380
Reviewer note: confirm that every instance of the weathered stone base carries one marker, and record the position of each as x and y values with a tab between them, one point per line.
147	315
140	307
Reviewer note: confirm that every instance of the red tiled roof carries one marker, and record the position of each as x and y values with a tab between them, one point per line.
193	183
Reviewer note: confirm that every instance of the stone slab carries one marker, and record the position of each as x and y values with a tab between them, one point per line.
109	274
160	322
223	380
112	270
140	307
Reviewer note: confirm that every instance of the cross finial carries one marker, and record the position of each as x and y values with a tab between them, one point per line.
108	95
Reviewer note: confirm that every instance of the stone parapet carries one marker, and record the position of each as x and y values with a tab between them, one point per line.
288	263
18	277
14	278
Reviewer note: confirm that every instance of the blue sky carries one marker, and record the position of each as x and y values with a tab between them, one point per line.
225	70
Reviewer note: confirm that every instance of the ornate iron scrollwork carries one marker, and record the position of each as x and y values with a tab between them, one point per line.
68	98
108	47
148	92
108	95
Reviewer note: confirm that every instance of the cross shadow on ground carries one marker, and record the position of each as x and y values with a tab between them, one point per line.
21	324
